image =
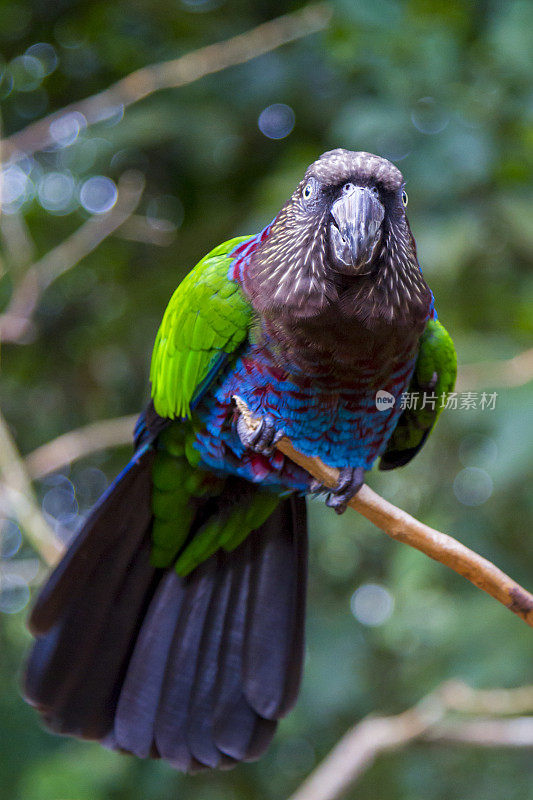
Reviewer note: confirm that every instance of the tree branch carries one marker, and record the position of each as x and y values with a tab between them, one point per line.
16	318
458	696
485	732
359	747
178	72
19	499
79	443
403	527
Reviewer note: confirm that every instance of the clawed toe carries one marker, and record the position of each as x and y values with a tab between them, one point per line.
350	481
263	438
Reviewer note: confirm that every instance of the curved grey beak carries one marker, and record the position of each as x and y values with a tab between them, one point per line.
355	228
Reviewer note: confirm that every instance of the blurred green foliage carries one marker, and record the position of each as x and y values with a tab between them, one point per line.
442	87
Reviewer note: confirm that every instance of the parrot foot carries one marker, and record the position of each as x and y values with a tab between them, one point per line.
262	439
350	481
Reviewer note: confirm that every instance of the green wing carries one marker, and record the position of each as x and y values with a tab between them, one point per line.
435	373
205	321
179	488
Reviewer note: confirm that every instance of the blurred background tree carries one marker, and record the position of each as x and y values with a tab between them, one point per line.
442	88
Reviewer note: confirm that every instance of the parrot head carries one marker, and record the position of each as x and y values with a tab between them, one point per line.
342	235
348	193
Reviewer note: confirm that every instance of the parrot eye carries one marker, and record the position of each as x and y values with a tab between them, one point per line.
309	189
310	192
347	188
405	199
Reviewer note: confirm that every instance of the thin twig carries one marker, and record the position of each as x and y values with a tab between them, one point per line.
402	526
178	72
358	748
26	295
485	732
18	243
458	696
21	502
76	444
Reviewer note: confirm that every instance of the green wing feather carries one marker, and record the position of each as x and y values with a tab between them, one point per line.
205	321
179	488
436	367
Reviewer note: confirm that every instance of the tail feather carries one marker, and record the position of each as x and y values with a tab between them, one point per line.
114	519
53	670
200	734
89	708
82	616
139	698
195	670
170	724
276	617
235	724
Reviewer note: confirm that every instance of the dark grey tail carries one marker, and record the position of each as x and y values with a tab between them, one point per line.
194	670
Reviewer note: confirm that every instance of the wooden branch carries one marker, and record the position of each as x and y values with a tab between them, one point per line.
173	74
16	318
403	527
458	696
485	732
79	443
18	243
17	494
359	747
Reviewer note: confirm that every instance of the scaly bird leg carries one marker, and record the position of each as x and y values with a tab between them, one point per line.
263	438
350	481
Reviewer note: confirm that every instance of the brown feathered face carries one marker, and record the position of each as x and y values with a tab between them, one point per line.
342	236
349	195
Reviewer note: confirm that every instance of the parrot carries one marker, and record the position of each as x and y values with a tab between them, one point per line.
173	627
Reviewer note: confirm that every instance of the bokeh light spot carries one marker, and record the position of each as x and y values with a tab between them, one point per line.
60	503
56	191
98	194
27	73
428	116
15	188
10	538
14	594
65	129
472	486
276	121
44	53
372	604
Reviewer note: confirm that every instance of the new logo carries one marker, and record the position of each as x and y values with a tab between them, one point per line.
384	400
